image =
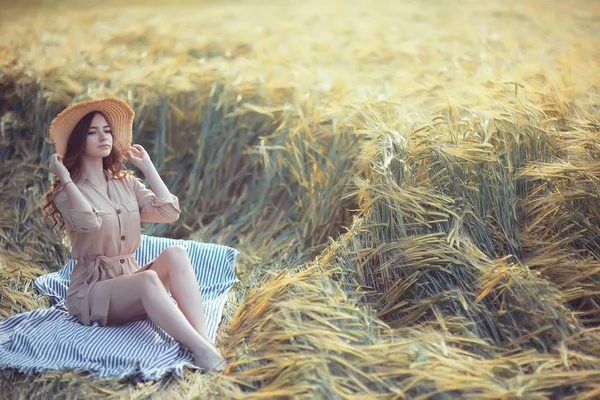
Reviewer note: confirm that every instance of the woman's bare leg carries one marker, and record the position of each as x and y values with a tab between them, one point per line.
175	270
135	295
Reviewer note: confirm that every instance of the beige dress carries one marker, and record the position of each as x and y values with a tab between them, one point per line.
103	241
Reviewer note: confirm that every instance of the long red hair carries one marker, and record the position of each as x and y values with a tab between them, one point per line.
72	161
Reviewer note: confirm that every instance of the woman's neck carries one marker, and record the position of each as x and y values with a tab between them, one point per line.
93	169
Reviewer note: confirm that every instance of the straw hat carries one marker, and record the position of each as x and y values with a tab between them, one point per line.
118	114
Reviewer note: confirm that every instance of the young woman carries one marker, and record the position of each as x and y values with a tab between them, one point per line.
101	205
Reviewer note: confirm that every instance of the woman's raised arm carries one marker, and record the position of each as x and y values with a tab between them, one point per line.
76	211
154	208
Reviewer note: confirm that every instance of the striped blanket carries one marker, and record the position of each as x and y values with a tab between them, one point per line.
52	339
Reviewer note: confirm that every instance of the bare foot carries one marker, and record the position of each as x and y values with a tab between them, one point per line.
209	358
216	364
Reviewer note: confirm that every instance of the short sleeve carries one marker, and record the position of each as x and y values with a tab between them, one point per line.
77	220
155	209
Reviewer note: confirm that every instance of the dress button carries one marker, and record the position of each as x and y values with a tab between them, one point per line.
122	237
118	211
122	261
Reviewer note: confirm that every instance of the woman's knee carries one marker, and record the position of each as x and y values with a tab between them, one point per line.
176	251
148	279
178	257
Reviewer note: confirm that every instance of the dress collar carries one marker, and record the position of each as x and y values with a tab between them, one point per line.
83	178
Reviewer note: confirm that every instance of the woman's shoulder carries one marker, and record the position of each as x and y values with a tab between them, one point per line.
126	177
129	180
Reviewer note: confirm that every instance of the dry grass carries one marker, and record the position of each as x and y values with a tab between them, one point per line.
413	187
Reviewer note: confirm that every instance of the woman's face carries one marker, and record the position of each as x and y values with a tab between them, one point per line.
99	138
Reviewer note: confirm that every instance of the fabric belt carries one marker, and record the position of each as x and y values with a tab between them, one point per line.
98	270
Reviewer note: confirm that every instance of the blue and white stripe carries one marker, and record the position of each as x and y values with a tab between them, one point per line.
52	339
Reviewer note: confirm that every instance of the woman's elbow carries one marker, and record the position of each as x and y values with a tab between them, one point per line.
164	214
174	217
169	217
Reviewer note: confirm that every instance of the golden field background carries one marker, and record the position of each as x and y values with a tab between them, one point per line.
413	186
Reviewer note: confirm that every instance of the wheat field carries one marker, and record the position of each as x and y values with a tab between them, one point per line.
413	186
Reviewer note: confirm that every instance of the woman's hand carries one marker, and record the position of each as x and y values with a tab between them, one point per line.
138	157
58	168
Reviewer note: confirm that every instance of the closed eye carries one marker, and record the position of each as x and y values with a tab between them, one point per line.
91	132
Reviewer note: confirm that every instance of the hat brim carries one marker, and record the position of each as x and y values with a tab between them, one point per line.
118	115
